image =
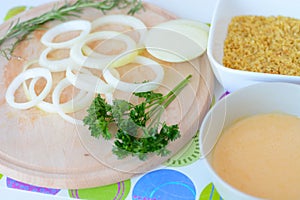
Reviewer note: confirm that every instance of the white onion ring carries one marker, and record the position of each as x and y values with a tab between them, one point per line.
54	65
55	99
23	76
74	25
137	87
126	20
80	101
102	60
109	98
85	80
26	66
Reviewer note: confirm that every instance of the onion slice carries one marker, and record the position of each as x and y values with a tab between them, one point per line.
23	76
85	80
54	65
80	101
100	61
189	22
137	87
25	67
125	20
191	40
56	102
75	25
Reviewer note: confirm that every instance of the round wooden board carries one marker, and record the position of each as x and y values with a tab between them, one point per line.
42	149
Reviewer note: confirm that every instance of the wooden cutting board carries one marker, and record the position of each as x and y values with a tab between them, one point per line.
42	149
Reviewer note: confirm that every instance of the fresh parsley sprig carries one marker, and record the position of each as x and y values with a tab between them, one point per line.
20	30
140	130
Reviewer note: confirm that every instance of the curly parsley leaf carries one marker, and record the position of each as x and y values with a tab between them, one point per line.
140	131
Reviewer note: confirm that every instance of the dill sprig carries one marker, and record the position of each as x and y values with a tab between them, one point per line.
20	30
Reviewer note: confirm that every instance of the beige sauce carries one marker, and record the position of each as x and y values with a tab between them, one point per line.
260	156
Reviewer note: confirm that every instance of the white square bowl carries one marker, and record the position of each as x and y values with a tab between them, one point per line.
232	79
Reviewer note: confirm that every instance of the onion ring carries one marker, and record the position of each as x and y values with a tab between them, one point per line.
23	76
74	25
127	20
101	60
26	66
80	101
136	87
85	80
54	65
55	99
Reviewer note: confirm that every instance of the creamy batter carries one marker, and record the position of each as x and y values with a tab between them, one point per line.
260	155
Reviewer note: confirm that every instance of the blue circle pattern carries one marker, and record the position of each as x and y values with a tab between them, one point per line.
164	184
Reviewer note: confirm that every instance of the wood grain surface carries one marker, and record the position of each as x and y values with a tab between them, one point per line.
42	149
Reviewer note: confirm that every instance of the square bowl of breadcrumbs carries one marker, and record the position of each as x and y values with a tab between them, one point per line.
255	41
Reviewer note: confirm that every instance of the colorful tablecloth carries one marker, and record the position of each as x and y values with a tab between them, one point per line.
182	177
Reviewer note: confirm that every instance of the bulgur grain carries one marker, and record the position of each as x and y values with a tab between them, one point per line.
263	44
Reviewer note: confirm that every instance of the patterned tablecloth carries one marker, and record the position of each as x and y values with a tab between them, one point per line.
180	178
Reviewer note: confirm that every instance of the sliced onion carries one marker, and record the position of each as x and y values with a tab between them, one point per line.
25	67
100	61
190	41
189	22
23	76
137	87
109	98
80	101
75	25
54	65
85	80
126	20
56	102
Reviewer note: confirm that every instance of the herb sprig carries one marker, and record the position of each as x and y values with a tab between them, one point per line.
140	130
20	30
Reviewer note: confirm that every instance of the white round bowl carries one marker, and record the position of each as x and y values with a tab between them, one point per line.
254	99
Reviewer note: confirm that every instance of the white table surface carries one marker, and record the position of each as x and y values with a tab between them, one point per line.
191	9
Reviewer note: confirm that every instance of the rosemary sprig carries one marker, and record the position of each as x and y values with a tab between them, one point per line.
20	30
